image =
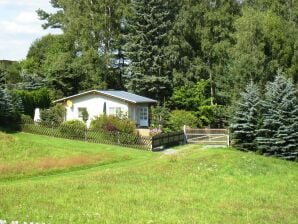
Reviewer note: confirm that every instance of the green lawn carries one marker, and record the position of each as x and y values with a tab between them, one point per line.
129	186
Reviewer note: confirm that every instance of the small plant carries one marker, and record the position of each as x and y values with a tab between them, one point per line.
73	129
85	115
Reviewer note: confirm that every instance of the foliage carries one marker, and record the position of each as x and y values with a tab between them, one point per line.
179	118
94	32
200	43
278	133
11	108
147	31
34	99
159	116
112	124
26	119
163	49
191	97
85	115
10	72
54	115
73	129
246	117
265	42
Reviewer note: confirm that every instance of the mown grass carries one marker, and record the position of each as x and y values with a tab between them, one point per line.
26	155
193	186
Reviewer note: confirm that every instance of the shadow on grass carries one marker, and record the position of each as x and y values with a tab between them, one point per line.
10	130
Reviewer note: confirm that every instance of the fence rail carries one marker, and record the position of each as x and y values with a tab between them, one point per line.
207	136
168	139
105	137
102	137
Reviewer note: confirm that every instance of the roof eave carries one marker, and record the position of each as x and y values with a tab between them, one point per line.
100	92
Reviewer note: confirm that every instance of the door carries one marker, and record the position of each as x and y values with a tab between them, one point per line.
143	116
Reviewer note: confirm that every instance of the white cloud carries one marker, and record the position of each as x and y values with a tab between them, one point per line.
27	17
8	27
27	3
20	26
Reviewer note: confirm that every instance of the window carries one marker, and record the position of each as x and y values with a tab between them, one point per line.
143	113
115	111
83	113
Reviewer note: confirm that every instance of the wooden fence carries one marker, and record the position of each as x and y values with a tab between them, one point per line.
207	136
102	137
156	142
168	140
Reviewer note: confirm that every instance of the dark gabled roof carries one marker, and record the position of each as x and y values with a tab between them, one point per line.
122	95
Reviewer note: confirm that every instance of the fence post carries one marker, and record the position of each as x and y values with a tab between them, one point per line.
53	129
228	138
118	137
185	134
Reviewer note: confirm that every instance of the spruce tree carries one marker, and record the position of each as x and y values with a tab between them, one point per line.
146	40
245	121
278	134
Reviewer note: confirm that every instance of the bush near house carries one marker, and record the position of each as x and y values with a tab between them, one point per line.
73	129
112	124
54	115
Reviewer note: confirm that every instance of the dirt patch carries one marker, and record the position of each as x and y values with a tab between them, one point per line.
49	164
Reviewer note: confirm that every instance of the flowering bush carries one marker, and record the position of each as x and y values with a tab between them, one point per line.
112	124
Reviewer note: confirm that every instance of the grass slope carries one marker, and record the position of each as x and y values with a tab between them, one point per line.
193	186
23	155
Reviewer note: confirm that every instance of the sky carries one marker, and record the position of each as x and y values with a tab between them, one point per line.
20	26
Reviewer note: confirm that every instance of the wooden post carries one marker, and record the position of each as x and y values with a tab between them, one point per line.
118	133
228	138
185	134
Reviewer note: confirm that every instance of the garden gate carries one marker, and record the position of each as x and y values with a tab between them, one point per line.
207	136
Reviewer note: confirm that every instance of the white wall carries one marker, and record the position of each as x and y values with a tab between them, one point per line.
94	105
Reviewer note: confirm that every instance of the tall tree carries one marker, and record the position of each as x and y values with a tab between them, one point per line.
94	28
265	42
148	30
200	42
279	130
246	118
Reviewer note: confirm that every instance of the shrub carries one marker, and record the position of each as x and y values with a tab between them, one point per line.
179	118
73	129
53	116
112	124
160	116
26	119
34	99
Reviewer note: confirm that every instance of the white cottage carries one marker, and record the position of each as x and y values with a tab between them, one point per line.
108	102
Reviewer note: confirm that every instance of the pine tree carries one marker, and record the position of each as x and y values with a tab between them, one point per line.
145	44
6	104
279	130
2	78
246	119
